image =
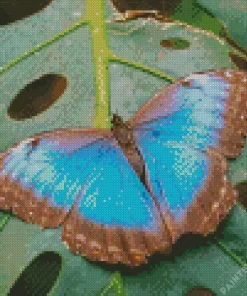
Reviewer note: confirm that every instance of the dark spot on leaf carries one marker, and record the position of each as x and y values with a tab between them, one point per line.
242	193
239	61
37	96
39	276
200	72
175	43
13	10
167	43
199	291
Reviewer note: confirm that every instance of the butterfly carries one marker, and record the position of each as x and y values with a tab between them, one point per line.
125	193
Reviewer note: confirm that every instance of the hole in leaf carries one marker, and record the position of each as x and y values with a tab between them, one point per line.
39	276
123	5
13	10
242	193
189	241
37	96
175	43
240	62
199	291
167	7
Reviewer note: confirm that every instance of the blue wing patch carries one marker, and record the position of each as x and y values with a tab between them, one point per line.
176	173
114	196
98	176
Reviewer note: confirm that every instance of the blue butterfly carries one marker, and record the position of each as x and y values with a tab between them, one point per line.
126	193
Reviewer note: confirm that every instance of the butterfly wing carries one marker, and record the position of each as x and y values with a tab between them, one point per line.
37	182
81	179
183	134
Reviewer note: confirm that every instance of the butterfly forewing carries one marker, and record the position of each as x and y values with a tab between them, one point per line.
40	176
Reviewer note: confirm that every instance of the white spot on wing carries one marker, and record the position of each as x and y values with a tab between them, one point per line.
203	78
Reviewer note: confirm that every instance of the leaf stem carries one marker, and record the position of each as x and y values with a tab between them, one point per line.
230	253
96	14
4	220
116	286
160	74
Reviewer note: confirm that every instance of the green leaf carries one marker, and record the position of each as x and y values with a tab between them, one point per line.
192	13
189	12
108	67
233	14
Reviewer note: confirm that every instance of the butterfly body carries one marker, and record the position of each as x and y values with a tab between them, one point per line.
126	193
123	133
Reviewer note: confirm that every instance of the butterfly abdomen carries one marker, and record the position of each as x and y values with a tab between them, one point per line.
123	133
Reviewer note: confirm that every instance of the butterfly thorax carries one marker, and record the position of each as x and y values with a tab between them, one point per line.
123	133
